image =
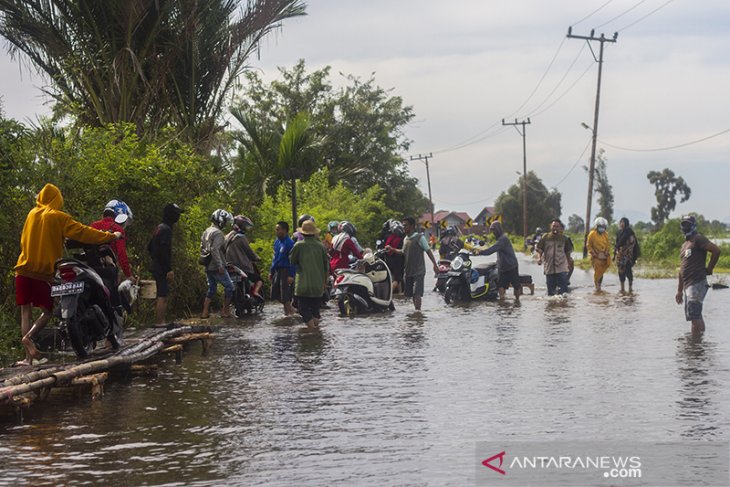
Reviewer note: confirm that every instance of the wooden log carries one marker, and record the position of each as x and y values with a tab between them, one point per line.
174	349
189	337
94	381
62	375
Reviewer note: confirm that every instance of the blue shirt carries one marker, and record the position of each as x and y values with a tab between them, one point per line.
282	249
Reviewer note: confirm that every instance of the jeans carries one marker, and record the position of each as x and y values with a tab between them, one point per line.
214	279
559	280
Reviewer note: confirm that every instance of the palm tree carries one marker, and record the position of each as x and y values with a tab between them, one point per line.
151	62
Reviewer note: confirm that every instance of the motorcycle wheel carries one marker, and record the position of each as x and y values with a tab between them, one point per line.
451	295
80	340
239	303
347	305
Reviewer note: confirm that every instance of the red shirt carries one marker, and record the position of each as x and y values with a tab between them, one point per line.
395	242
341	259
107	224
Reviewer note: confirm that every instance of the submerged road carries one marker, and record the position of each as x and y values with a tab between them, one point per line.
395	399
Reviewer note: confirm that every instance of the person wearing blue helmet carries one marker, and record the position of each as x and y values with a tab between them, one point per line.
116	217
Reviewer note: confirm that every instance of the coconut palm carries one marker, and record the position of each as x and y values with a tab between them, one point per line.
151	62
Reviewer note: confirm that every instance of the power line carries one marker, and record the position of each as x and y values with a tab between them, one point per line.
570	88
620	15
592	13
577	161
645	16
667	148
470	140
575	60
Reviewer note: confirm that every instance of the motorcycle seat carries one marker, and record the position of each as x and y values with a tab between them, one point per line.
485	267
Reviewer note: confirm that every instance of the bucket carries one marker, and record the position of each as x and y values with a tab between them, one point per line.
148	289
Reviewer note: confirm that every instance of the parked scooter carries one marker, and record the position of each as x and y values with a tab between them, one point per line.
366	287
245	301
86	312
466	282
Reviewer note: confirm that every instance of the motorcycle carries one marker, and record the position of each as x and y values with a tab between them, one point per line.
245	302
467	282
86	283
364	288
443	275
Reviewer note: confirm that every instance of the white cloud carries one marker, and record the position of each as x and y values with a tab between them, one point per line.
464	65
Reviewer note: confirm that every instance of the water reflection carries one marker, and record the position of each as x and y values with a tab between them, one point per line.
392	399
696	407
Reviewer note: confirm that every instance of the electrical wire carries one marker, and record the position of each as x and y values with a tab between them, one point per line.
645	16
591	14
471	140
621	14
666	148
570	88
577	161
575	60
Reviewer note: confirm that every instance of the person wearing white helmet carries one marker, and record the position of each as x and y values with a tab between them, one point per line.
213	257
600	250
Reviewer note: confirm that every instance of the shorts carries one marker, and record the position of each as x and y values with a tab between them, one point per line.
413	286
506	278
163	287
694	296
33	291
214	278
281	290
309	307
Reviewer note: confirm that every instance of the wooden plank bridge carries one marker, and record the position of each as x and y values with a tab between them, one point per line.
20	387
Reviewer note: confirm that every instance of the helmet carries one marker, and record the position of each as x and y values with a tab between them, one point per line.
688	224
348	228
241	223
388	225
333	226
304	218
119	209
171	213
450	230
221	217
397	228
600	222
539	231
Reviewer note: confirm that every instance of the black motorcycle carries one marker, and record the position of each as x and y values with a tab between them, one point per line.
467	282
89	310
245	302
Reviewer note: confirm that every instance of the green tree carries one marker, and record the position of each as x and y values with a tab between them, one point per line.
149	62
360	125
576	224
603	189
542	205
668	186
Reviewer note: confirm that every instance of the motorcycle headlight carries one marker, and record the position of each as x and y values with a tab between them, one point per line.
457	263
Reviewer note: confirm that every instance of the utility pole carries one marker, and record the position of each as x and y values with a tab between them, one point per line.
602	40
524	173
424	158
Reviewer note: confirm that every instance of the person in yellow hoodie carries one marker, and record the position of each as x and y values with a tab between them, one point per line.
600	250
41	244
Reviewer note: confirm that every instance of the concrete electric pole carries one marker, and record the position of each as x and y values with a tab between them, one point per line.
424	158
524	173
602	40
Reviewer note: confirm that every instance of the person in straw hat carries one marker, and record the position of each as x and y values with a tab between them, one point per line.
310	258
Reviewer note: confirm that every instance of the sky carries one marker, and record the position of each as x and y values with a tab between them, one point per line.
465	65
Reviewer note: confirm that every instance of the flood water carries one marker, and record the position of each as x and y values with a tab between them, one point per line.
396	399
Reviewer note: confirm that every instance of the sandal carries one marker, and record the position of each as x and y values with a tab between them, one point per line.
39	361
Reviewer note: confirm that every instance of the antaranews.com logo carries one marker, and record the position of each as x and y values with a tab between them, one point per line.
603	463
612	467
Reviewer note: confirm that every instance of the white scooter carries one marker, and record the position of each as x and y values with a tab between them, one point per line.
364	288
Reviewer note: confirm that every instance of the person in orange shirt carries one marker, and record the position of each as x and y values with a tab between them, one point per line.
41	245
